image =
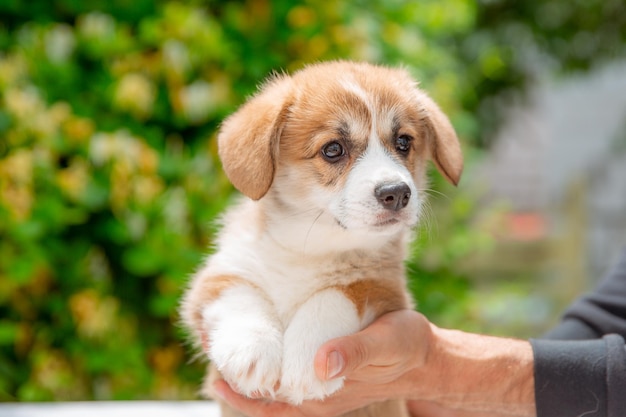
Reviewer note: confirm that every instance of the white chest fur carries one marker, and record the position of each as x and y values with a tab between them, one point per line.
289	273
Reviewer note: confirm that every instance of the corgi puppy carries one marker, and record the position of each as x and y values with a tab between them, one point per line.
332	165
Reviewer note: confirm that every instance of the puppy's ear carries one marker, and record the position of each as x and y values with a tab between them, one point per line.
248	140
445	149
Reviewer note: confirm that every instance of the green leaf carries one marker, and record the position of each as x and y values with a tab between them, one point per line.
8	332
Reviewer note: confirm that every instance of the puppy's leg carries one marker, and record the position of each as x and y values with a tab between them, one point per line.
245	340
326	315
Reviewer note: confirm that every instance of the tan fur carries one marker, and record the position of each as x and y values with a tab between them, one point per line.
201	292
248	140
377	296
446	151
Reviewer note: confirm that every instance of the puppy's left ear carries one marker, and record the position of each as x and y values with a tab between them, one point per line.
248	140
445	149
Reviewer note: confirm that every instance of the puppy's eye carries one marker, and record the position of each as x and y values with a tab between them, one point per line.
403	143
333	151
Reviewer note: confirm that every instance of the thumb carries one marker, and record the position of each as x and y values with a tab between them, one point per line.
382	350
342	356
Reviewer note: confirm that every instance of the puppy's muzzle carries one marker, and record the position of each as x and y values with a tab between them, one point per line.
394	196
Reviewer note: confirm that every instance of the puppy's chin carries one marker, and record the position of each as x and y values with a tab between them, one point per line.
361	218
381	226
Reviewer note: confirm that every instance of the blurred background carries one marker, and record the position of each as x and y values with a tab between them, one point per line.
109	179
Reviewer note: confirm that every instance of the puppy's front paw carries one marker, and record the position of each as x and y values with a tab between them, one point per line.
326	315
248	357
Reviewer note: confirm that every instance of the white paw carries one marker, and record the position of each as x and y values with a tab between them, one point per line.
326	315
248	357
245	341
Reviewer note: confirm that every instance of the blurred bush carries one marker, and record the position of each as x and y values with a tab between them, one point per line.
109	179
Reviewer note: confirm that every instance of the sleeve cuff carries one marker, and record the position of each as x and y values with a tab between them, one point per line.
570	377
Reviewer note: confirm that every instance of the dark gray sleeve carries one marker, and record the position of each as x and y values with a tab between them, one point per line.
580	366
580	377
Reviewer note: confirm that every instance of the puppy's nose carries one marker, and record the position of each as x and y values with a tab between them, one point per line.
393	196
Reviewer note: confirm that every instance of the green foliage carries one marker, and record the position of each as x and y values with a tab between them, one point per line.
109	179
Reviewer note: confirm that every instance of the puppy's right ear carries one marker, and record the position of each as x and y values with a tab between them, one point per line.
248	140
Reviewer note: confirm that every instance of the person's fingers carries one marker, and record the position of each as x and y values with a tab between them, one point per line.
334	405
253	407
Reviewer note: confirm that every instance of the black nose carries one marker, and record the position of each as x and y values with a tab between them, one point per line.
393	196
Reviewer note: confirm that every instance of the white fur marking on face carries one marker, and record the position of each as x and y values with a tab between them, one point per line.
246	342
351	86
357	207
325	316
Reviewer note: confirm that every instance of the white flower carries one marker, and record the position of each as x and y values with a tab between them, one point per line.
101	148
176	57
59	43
12	69
96	25
24	103
198	100
135	93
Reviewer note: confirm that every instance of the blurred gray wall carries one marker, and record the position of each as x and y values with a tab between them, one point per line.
562	153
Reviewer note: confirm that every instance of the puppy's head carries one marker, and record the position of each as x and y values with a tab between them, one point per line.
346	141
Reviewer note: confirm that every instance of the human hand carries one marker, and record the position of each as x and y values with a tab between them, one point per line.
373	361
401	355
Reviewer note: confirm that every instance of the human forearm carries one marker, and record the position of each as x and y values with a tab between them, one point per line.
474	373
